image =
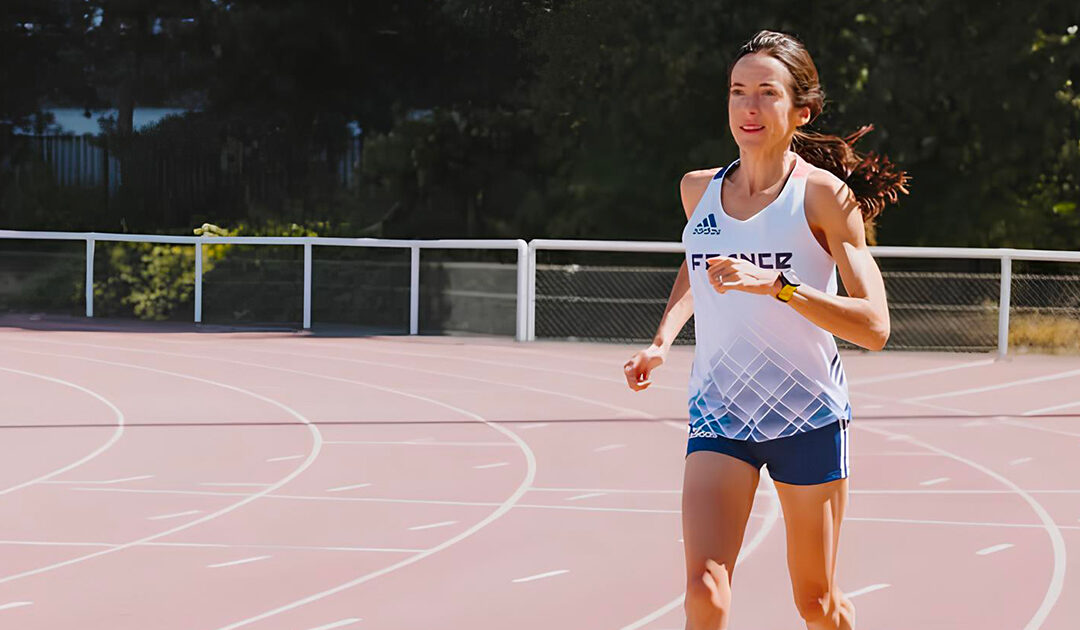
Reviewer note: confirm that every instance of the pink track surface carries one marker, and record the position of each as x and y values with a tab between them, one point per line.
159	477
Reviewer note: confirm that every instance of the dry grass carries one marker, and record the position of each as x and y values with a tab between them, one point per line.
1044	333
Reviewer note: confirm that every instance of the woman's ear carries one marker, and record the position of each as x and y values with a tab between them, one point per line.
804	116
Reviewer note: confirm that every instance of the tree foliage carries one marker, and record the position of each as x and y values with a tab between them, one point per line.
572	118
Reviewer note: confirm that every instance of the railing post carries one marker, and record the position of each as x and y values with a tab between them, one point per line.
530	307
89	276
307	285
1005	299
414	291
198	282
521	329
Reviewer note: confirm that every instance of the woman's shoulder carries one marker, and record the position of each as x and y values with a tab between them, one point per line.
701	176
822	180
828	198
693	185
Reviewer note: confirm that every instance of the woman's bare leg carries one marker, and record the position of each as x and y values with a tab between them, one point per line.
812	517
718	494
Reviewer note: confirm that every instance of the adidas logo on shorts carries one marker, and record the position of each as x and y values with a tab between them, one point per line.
707	225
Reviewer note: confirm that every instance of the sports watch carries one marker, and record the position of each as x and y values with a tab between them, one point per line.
790	282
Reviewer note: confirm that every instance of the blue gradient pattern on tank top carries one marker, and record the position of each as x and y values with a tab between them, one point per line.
752	393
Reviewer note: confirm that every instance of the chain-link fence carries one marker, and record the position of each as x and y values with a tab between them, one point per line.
939	299
947	304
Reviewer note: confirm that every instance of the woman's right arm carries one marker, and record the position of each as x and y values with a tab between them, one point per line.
680	304
680	307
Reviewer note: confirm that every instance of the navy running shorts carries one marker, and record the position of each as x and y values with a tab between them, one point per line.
804	459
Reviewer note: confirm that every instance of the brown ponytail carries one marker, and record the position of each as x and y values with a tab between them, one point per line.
873	179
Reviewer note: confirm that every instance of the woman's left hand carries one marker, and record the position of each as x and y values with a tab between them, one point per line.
728	274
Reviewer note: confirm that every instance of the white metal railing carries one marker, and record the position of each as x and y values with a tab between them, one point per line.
307	242
525	325
1005	255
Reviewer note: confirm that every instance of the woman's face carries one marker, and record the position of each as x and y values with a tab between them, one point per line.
761	111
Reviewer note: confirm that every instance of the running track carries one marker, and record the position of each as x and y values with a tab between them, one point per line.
159	477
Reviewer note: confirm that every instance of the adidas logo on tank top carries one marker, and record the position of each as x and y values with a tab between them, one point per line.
707	225
761	371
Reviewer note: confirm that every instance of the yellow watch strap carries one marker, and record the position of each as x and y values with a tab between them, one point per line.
785	294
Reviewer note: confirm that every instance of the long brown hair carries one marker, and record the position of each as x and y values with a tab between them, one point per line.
872	178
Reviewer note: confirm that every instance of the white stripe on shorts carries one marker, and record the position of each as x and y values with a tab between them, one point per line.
847	451
843	450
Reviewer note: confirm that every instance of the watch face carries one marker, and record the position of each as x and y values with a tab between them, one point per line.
790	277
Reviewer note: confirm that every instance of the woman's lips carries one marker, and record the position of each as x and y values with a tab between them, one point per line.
752	128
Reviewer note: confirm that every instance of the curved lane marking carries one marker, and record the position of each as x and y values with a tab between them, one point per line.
101	449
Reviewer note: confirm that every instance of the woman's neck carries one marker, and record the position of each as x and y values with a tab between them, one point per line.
763	171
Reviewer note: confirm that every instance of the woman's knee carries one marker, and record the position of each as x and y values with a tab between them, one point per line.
708	598
820	608
811	606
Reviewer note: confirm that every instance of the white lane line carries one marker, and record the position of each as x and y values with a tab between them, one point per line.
933	482
560	371
897	437
959	492
912	521
990	388
417	443
975	423
1042	410
1035	427
45	543
286	458
432	525
388	500
119	415
315	448
896	454
581	508
338	624
1021	460
605	490
926	372
174	515
352	487
1053	531
540	576
608	447
236	562
867	589
242	484
456	375
587	495
495	465
909	401
105	482
14	605
994	549
459	376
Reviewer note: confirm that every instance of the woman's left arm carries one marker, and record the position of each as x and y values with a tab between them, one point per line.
861	317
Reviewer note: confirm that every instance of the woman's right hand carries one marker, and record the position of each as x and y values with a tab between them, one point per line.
638	369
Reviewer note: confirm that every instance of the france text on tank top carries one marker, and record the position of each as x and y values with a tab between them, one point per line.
761	371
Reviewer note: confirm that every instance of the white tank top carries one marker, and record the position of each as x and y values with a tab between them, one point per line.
761	371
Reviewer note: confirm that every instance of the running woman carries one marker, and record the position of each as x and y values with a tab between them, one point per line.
764	239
